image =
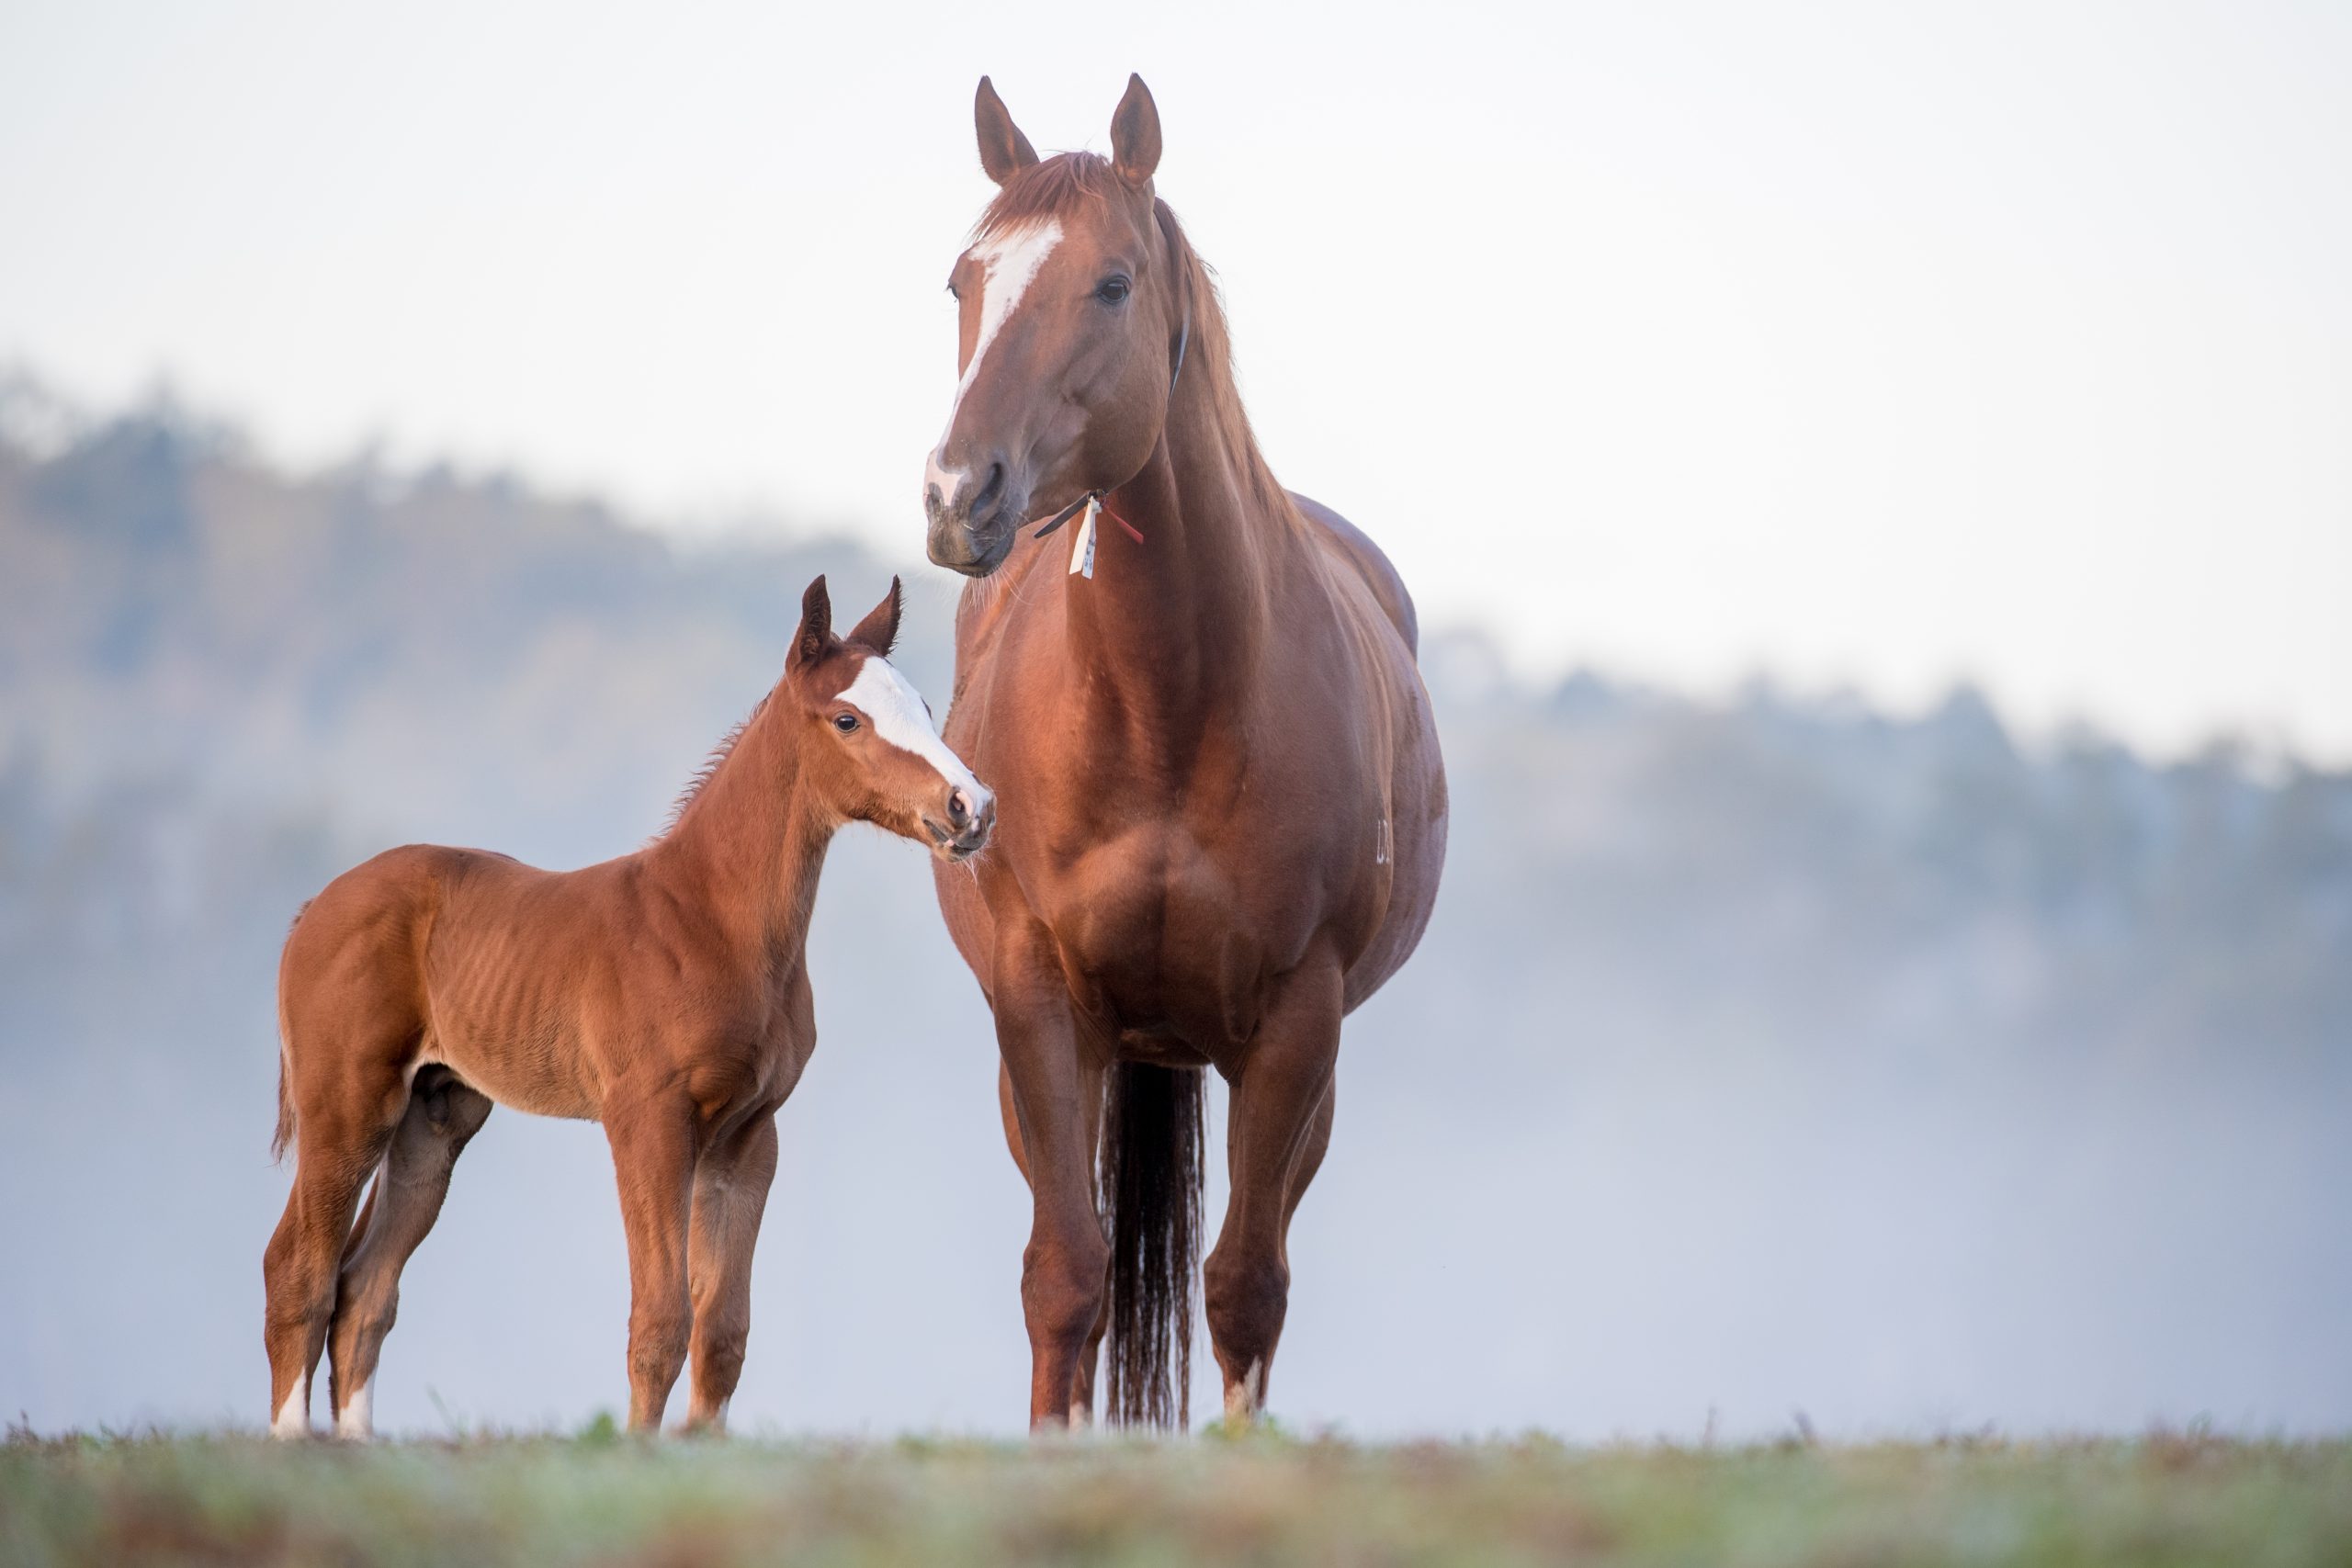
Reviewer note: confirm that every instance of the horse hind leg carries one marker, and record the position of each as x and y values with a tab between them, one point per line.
442	1115
338	1144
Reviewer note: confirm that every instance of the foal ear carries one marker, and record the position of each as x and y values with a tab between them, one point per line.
816	625
1134	135
1004	151
880	627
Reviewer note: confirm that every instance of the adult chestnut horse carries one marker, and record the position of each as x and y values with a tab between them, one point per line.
664	994
1222	806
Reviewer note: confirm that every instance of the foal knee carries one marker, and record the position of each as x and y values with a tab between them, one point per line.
657	1345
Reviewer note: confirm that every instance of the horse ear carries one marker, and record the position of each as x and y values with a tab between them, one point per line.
816	625
1004	151
1134	135
880	627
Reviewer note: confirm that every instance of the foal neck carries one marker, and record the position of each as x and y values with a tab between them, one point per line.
749	843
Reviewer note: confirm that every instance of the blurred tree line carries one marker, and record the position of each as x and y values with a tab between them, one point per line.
218	684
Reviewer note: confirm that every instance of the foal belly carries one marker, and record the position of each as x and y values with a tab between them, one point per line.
542	1078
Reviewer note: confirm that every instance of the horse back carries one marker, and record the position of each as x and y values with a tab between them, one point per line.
1355	546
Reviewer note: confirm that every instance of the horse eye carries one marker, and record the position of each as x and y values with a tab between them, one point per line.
845	722
950	292
1111	289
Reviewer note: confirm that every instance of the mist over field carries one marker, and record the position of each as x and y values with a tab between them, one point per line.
1766	1057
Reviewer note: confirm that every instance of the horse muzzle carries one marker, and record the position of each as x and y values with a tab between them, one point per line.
973	518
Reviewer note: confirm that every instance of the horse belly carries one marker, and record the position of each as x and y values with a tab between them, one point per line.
517	1043
540	1076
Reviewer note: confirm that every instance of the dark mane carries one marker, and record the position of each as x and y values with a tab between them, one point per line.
1059	186
709	769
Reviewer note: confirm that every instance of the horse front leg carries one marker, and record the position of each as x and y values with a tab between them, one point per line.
654	1153
1277	1127
730	1194
1089	1354
1055	1103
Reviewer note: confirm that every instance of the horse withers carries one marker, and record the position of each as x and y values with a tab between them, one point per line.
1225	808
664	994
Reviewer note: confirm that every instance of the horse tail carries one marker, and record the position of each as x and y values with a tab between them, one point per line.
1151	1184
285	1045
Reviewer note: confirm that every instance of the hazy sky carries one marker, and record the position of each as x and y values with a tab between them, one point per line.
1876	344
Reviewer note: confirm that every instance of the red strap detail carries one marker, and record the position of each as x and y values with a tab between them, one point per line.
1123	522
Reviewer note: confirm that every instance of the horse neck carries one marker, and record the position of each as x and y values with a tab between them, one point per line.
750	844
1173	622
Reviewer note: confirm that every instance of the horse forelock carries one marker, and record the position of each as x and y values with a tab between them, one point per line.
1057	187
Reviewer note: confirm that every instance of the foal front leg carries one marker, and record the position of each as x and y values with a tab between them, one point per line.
653	1156
730	1193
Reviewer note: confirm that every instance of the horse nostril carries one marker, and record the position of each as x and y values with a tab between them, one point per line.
932	501
984	505
960	807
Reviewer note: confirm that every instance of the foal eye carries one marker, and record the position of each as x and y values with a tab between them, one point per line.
845	722
1111	289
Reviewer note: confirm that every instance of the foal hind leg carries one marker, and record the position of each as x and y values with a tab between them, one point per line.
337	1145
442	1114
1278	1126
730	1194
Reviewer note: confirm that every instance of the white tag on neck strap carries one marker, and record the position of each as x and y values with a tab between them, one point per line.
1081	547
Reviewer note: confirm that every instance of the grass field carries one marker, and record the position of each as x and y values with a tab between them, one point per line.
594	1499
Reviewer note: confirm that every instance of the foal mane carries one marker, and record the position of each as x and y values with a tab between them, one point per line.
709	769
1061	186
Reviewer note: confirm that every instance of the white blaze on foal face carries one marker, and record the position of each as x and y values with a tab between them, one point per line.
897	714
1009	264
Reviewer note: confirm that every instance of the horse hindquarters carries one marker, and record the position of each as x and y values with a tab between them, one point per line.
351	1012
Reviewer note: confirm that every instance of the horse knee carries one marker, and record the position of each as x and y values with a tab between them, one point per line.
1244	1300
657	1344
719	1357
1062	1290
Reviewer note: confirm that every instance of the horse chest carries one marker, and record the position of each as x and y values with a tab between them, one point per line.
1165	935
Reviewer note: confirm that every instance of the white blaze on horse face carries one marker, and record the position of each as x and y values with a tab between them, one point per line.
1009	264
293	1419
896	712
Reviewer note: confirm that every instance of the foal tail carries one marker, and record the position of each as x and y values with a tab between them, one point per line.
285	1044
1151	1184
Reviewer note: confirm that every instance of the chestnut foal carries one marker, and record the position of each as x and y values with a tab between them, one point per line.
664	994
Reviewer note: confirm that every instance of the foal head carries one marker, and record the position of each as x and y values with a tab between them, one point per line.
867	745
1073	311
